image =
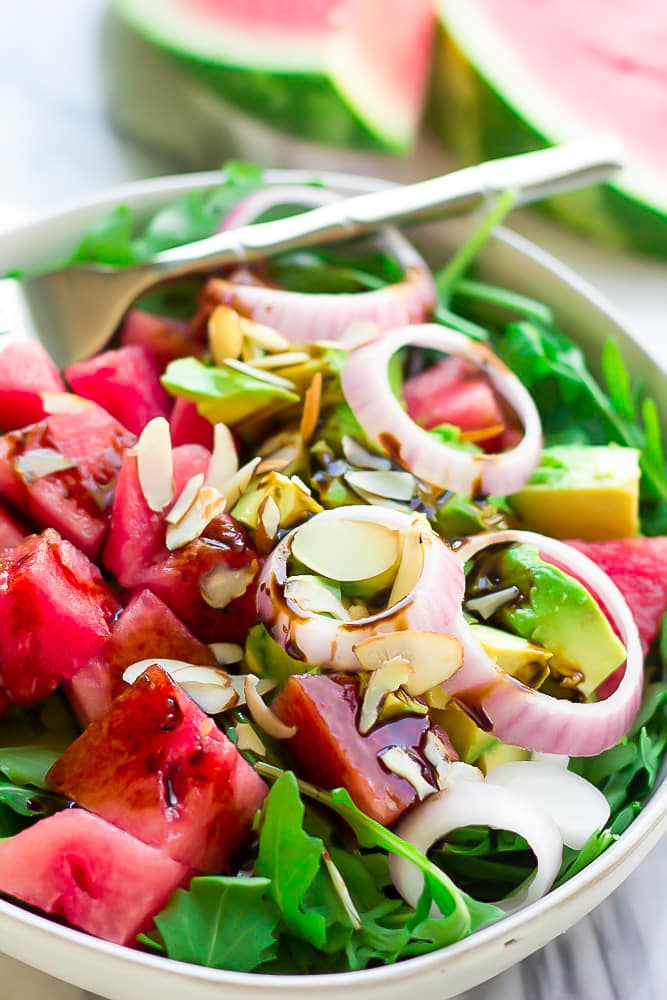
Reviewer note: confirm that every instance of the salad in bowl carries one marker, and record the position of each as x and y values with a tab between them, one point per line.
332	604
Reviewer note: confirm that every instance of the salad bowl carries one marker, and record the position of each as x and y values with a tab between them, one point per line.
119	973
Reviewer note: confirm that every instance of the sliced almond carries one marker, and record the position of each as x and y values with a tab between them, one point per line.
314	597
373	500
358	456
265	336
268	516
398	760
342	891
359	333
299	483
155	466
262	714
40	462
388	677
247	739
209	688
346	550
226	653
391	484
211	698
63	402
223	584
285	360
274	444
209	503
358	611
239	482
250	353
271	465
186	499
433	656
312	401
437	756
259	374
264	685
224	461
135	670
412	561
225	334
488	604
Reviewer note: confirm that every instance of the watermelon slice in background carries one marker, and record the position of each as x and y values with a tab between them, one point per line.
343	72
514	75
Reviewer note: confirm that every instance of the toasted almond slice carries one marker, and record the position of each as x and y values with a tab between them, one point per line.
375	501
361	458
268	516
211	698
447	771
358	611
412	561
225	334
262	714
386	678
40	462
433	656
209	503
359	333
186	499
346	550
311	595
250	353
193	673
135	670
274	444
259	374
299	483
342	891
264	685
63	402
224	462
265	336
391	484
239	482
247	739
226	652
271	465
398	760
488	604
155	465
285	360
223	584
312	402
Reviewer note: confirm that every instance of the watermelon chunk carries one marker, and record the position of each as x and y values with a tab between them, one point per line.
76	866
75	500
12	531
26	370
125	382
55	610
165	339
160	769
452	392
330	750
317	69
637	567
145	629
137	534
188	427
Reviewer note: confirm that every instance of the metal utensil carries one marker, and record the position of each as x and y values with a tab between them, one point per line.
75	310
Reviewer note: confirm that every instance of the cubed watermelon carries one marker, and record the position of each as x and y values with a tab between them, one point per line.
78	867
55	611
126	382
137	534
187	427
26	370
12	531
331	752
145	629
160	769
75	500
165	339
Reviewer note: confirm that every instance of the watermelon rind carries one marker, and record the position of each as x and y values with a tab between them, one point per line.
485	103
304	87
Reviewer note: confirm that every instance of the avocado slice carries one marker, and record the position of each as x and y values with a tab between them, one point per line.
584	492
469	741
517	656
293	501
501	753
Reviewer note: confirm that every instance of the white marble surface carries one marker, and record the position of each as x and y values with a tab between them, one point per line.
56	143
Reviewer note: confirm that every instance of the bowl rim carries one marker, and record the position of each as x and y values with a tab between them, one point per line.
645	829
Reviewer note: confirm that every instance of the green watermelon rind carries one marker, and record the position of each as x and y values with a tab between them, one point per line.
308	101
471	110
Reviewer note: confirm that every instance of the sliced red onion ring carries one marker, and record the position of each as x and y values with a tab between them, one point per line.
431	605
367	390
526	718
472	803
304	318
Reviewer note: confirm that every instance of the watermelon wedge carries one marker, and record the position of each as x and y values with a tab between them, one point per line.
165	339
514	75
96	877
26	371
11	529
345	72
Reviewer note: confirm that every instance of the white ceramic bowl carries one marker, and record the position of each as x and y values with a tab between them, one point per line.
121	974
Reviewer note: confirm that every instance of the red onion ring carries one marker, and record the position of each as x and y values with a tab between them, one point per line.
327	642
304	318
472	803
367	390
527	718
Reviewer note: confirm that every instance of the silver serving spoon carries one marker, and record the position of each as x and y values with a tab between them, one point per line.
75	310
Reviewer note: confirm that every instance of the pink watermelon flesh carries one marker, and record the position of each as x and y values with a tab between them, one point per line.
137	534
146	628
125	382
637	567
26	370
55	611
187	427
79	868
74	501
165	339
160	769
11	529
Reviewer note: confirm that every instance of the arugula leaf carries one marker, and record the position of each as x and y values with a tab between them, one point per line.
266	658
109	241
28	765
222	923
498	302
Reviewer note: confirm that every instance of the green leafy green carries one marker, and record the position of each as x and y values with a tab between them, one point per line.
450	434
28	765
266	658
